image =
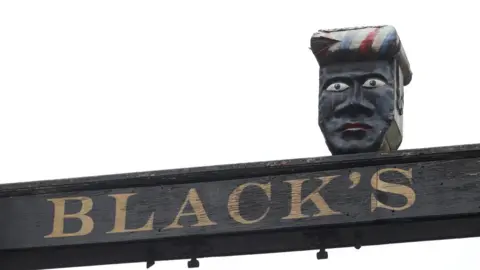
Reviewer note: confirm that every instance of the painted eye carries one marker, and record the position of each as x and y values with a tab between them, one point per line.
373	83
338	86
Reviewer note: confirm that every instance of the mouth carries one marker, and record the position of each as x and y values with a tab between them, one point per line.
355	126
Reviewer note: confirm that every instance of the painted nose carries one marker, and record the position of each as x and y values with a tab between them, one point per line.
354	105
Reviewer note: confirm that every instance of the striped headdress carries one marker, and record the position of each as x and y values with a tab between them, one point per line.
360	44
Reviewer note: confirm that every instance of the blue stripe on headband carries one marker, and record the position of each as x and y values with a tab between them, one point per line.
386	42
347	40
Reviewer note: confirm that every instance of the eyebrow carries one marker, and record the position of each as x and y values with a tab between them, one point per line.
353	75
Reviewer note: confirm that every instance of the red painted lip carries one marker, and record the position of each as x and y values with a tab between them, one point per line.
355	126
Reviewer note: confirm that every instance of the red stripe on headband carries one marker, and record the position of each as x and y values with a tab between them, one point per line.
367	42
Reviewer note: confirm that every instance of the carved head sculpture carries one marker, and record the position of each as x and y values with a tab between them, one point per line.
362	74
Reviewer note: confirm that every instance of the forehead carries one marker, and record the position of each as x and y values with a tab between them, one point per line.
352	69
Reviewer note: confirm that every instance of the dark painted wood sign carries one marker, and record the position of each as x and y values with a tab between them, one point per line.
301	204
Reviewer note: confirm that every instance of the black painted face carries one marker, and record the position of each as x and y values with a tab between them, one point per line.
356	105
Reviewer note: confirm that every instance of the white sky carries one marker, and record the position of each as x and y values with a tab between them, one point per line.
98	87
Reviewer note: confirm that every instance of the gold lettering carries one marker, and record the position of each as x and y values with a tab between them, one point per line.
59	217
315	197
121	215
198	211
234	198
403	190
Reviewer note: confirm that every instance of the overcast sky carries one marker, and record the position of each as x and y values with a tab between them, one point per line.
97	87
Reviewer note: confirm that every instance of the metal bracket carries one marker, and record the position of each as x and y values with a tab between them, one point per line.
322	254
358	240
150	257
193	263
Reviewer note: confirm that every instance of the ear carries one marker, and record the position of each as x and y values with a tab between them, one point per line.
321	80
399	89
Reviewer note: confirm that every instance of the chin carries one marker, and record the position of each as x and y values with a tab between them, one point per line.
337	145
355	149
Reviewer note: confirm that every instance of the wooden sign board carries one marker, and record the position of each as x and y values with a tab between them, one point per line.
251	208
